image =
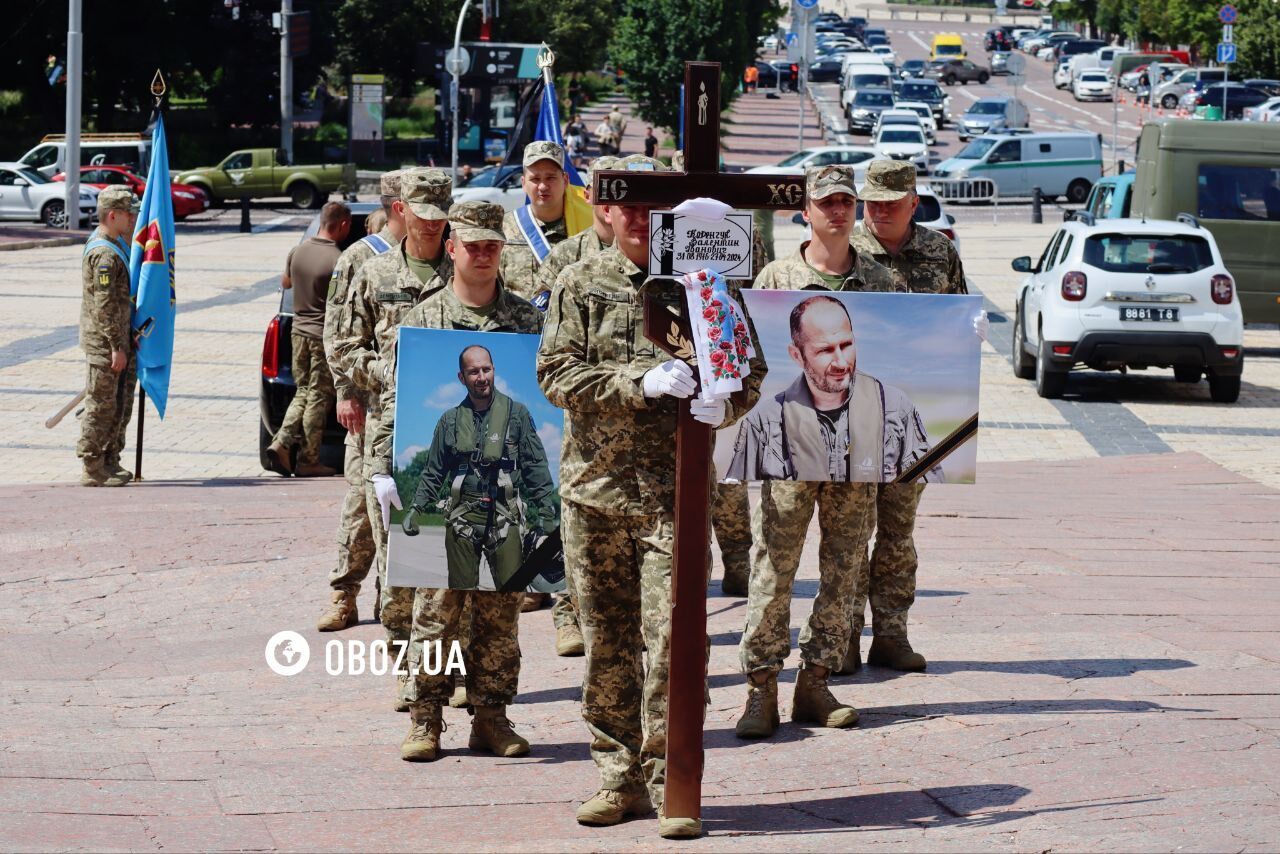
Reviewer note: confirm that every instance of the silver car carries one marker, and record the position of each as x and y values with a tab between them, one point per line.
992	113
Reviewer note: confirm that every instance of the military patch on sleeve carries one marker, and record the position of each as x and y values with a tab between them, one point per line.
333	285
104	274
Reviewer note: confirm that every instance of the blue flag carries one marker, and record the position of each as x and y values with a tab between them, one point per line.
577	212
151	271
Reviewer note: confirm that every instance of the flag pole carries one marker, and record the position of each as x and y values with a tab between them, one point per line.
158	88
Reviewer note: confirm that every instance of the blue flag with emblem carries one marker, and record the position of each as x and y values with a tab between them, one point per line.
151	270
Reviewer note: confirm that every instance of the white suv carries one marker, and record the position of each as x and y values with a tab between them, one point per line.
1115	294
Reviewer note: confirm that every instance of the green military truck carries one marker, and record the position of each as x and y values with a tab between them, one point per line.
261	173
1228	175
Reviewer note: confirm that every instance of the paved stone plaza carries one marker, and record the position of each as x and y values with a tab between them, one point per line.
1100	613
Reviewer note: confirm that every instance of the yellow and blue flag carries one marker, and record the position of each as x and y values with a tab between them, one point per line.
151	269
577	211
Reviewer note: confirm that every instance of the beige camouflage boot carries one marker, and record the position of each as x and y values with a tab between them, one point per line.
458	699
342	612
895	652
610	806
852	656
491	730
402	694
760	717
422	744
95	474
813	701
679	828
569	641
113	468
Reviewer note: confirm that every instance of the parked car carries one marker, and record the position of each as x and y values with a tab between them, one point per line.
1000	62
1076	47
911	68
1092	85
777	74
1111	197
856	156
928	91
1060	164
1271	87
1167	93
1129	294
1133	78
26	194
49	156
1062	73
929	213
278	386
825	70
1043	39
903	115
1267	111
952	71
495	184
258	173
995	39
903	142
866	105
1236	95
992	113
860	77
770	43
187	200
885	53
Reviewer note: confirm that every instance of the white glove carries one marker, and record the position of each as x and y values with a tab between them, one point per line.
384	487
707	411
981	325
674	378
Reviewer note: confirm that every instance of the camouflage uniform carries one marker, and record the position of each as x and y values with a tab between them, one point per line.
617	486
780	524
383	290
518	266
492	652
355	532
105	326
928	264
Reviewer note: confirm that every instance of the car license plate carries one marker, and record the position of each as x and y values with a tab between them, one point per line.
1135	312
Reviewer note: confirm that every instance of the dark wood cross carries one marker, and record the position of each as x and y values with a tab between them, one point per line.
702	178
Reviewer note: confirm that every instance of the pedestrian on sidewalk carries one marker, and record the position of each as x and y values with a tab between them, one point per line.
308	270
107	340
650	143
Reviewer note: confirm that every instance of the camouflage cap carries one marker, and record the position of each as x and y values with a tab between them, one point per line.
888	180
640	163
543	149
600	164
823	181
426	192
470	221
389	183
118	198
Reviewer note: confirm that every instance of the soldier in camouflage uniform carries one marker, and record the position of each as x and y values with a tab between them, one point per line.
383	290
617	487
923	261
107	338
845	510
545	183
355	534
468	296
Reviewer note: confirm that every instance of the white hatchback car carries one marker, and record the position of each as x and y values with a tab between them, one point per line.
925	112
911	118
1116	294
903	142
857	156
31	195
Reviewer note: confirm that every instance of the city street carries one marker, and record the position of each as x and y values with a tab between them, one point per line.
1101	612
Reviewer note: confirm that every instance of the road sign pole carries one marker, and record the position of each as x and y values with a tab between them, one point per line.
454	95
74	79
286	81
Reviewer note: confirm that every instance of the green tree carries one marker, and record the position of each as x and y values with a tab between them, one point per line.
577	31
654	38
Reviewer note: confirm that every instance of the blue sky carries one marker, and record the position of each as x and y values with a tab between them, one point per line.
427	385
922	343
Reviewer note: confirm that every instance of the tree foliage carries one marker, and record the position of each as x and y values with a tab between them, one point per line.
652	40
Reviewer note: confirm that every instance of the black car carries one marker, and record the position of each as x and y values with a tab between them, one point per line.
1238	96
866	107
1073	47
927	91
278	386
826	70
912	68
875	39
778	74
1271	87
951	71
869	32
995	39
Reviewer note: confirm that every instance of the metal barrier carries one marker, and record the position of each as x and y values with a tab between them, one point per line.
971	190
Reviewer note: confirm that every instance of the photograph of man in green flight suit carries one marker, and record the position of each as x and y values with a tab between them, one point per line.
485	461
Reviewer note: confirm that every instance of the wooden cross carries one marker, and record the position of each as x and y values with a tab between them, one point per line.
701	178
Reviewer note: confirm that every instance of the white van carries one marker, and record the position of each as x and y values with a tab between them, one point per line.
1100	58
1060	164
96	149
863	76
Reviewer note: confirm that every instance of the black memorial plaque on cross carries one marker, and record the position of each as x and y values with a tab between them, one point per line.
702	178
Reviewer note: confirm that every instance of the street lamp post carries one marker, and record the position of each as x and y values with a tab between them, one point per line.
74	74
455	69
286	81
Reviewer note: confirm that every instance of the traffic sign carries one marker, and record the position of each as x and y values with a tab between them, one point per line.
1016	64
792	38
1226	53
1228	35
807	4
1227	14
